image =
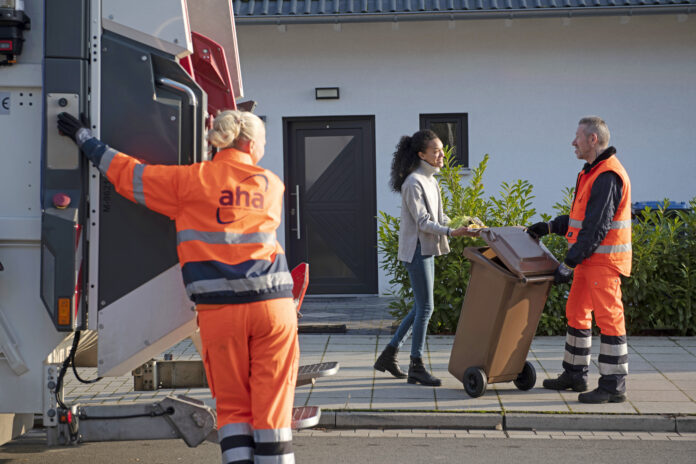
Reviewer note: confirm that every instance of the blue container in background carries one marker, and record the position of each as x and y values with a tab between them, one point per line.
639	206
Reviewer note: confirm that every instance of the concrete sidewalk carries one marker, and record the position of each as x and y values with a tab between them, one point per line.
661	389
661	383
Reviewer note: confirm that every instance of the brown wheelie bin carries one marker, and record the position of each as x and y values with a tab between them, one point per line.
510	281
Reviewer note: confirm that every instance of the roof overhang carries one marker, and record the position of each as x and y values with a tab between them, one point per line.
255	18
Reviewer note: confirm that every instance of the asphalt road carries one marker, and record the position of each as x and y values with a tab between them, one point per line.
32	450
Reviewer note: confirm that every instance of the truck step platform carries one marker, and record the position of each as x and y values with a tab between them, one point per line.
305	417
155	375
309	373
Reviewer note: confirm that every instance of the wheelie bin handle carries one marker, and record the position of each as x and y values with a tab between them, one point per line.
536	279
474	254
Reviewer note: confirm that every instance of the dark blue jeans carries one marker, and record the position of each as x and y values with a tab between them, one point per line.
421	271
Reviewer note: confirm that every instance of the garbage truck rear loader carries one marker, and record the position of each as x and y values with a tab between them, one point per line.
75	257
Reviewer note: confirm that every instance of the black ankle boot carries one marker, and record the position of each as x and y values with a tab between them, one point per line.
566	381
387	362
599	396
418	374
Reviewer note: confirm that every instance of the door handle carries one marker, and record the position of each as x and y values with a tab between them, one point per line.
297	211
193	102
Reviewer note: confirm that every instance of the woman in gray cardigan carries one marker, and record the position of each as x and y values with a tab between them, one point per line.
422	236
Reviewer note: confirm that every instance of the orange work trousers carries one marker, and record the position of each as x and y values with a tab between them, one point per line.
596	289
251	355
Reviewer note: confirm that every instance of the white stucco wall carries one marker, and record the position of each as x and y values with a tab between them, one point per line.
524	83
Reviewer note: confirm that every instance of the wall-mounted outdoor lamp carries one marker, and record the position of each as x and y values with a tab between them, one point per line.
326	93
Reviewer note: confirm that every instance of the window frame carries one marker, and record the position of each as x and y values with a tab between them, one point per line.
462	132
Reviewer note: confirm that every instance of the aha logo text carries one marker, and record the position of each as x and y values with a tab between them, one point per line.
239	198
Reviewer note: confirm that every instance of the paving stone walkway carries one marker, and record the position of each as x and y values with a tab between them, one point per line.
661	383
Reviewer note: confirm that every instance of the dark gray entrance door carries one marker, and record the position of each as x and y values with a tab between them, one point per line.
330	202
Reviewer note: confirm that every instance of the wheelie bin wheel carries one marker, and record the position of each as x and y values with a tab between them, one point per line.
527	378
475	381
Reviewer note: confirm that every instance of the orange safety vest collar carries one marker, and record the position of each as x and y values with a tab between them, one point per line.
615	249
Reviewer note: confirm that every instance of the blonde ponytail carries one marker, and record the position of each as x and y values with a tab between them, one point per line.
232	126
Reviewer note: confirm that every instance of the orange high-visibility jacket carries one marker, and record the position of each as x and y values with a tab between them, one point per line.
226	213
615	250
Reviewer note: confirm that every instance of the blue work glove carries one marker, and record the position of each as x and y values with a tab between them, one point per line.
72	127
539	229
563	274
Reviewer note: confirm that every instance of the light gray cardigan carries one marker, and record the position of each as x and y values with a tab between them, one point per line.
422	217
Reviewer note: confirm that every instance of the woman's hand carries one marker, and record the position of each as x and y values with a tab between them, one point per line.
465	232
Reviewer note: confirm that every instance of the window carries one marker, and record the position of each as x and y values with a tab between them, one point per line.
453	130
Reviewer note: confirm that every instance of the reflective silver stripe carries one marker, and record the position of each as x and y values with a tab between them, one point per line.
224	238
240	285
281	459
613	369
238	454
605	249
579	342
575	223
106	160
230	430
272	435
576	360
621	224
613	350
614	225
138	192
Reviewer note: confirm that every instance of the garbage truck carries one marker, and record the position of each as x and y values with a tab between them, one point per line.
75	257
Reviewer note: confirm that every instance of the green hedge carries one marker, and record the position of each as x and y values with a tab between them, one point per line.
659	297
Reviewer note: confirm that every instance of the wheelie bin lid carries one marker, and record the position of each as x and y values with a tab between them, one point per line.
519	252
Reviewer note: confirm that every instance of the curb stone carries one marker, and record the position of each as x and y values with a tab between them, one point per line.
395	420
686	424
327	419
590	422
510	421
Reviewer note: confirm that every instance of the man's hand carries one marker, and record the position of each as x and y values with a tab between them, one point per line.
563	274
539	229
72	127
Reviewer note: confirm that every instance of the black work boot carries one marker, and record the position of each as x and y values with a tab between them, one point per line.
566	382
387	362
418	374
599	396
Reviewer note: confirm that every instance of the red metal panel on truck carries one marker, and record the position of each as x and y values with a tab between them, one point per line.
211	73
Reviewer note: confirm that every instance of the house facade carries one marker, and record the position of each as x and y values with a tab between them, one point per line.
339	82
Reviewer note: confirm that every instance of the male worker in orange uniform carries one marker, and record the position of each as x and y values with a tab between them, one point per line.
226	213
598	230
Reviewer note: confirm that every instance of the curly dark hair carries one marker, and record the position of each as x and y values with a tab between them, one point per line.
406	156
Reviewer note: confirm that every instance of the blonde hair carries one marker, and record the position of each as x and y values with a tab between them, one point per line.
232	126
596	125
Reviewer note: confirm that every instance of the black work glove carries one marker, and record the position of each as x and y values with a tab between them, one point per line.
74	128
563	274
539	229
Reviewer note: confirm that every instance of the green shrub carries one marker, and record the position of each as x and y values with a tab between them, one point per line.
659	297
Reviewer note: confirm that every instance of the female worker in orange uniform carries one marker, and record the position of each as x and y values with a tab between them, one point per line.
226	211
